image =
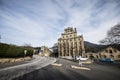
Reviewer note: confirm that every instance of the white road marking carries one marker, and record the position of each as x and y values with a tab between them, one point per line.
77	67
56	64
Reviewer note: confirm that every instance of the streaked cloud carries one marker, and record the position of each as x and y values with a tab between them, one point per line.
41	22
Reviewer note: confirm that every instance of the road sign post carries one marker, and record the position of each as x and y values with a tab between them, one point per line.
80	61
25	52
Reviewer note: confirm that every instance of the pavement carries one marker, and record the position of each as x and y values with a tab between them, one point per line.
10	72
62	70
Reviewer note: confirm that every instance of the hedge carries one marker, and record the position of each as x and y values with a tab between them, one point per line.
12	51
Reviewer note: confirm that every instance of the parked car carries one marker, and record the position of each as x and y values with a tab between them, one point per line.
107	60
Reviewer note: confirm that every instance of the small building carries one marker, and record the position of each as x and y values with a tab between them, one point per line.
45	51
110	52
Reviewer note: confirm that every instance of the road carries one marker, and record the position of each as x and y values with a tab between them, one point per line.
10	72
99	71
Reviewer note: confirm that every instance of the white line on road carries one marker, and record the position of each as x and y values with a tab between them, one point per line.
77	67
56	64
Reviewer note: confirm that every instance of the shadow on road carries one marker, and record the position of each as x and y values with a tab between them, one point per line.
52	73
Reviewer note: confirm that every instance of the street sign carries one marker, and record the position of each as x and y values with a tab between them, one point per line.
25	52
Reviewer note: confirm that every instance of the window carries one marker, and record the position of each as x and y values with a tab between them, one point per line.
104	56
97	56
118	56
110	51
106	51
91	56
115	50
111	56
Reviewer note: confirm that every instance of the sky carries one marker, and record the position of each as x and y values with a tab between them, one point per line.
41	22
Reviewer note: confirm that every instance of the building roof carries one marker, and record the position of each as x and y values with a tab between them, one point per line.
116	46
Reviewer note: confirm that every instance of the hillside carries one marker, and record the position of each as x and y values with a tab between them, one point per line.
92	47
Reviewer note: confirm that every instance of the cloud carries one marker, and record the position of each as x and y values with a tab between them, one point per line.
41	22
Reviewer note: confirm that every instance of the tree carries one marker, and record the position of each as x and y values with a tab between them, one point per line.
113	36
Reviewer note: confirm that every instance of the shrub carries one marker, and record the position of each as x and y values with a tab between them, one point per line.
13	51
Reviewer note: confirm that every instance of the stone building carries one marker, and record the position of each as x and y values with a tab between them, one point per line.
55	50
108	52
70	45
45	51
93	55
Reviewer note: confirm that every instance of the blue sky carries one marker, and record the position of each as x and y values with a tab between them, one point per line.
41	22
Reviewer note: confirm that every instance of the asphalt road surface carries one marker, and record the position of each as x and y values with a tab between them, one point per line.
99	71
11	71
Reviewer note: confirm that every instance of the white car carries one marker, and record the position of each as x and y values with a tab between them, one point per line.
80	58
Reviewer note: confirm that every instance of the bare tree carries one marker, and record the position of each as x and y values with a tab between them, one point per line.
113	36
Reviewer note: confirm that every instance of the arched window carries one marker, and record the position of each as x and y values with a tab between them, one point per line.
111	56
106	51
91	56
110	51
118	56
115	50
104	56
97	56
